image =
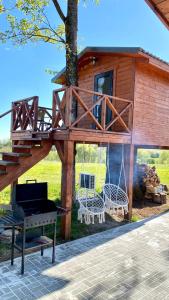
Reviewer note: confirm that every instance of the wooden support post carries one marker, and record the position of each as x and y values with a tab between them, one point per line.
12	189
130	181
66	187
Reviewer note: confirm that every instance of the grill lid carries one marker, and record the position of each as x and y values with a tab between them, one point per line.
30	192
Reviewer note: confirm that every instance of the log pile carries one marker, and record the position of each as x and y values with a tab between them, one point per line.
148	182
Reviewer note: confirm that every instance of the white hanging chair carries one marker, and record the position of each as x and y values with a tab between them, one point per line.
91	206
114	196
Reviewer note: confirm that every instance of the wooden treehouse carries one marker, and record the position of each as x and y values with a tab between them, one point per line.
122	98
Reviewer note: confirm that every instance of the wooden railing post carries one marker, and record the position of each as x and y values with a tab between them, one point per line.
53	110
68	108
13	116
130	117
103	113
35	121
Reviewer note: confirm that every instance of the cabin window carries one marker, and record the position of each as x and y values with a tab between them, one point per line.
103	83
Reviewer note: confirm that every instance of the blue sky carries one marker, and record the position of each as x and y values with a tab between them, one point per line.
22	70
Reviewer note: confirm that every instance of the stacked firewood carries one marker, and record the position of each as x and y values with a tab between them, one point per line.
149	183
151	180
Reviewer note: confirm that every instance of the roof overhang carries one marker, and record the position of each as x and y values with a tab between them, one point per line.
91	54
161	9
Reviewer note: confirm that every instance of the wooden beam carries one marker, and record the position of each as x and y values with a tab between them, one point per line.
130	181
60	149
158	12
13	184
66	187
92	136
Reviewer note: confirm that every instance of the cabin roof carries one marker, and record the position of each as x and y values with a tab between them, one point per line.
136	52
161	9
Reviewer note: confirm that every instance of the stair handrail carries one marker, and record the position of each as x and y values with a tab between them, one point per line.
30	113
5	113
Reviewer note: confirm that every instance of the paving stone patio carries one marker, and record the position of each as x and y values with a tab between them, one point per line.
128	262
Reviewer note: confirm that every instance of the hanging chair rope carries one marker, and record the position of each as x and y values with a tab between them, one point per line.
115	197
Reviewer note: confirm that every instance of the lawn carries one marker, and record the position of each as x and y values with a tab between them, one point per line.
50	171
163	172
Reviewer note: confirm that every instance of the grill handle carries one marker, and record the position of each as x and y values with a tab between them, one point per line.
31	180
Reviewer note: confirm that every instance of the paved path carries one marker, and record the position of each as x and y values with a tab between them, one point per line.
129	262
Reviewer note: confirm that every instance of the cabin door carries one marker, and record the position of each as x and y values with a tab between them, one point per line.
103	83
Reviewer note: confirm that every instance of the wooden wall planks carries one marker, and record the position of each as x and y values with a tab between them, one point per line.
146	85
122	83
151	107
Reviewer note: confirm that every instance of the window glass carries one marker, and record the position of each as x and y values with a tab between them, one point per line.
104	85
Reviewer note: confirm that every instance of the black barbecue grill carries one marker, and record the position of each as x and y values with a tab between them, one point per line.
31	204
32	208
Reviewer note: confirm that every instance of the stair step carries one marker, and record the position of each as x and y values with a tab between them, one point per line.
22	146
15	154
26	147
33	139
7	163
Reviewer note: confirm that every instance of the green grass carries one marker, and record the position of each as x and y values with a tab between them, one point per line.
163	172
135	218
50	171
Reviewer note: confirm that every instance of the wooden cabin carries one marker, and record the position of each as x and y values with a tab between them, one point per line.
161	9
139	84
122	98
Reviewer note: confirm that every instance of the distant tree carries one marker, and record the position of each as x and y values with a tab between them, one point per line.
164	157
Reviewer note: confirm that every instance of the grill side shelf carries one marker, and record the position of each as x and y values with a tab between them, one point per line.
9	220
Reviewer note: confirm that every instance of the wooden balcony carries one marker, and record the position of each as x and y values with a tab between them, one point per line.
85	126
98	117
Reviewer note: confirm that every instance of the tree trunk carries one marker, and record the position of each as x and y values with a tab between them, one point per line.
71	28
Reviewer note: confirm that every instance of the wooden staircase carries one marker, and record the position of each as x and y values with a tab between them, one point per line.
25	154
31	139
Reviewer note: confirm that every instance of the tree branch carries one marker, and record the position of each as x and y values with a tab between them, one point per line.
51	28
23	37
59	10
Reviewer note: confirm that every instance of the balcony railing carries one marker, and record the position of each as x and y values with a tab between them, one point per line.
119	110
94	111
